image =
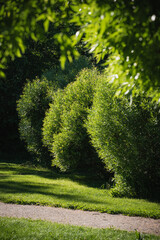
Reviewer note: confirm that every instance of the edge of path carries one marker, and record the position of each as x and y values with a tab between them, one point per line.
81	218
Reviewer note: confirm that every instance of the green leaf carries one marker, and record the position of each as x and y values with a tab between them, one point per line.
33	36
2	66
41	17
2	74
46	25
50	18
70	58
18	53
62	61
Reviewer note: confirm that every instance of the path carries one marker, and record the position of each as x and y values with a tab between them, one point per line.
81	218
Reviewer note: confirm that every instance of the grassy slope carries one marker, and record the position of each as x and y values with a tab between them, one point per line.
12	228
28	185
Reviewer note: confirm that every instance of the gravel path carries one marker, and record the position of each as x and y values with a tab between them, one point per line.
81	218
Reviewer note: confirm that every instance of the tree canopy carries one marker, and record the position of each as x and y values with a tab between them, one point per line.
129	32
126	31
20	19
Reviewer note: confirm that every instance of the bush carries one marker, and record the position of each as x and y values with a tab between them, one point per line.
64	131
127	138
31	108
34	102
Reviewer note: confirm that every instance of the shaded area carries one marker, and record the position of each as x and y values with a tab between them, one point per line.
52	190
86	178
48	190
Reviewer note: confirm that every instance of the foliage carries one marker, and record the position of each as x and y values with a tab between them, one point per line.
31	107
40	186
64	132
38	57
129	31
35	100
20	20
127	139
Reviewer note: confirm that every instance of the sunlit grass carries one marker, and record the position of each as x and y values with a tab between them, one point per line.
12	228
28	185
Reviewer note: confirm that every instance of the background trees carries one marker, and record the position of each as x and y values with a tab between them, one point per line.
38	57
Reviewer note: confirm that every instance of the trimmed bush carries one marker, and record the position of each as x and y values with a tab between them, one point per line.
127	138
64	130
31	108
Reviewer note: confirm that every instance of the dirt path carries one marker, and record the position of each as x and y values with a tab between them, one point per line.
81	218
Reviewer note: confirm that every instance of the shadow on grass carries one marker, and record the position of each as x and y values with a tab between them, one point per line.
88	179
53	191
8	186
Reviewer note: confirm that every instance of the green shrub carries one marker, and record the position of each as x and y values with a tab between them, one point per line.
64	131
34	102
31	108
127	138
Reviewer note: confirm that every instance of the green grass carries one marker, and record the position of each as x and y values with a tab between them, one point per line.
27	185
18	229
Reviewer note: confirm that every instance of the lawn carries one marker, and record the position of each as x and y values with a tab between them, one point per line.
30	185
24	229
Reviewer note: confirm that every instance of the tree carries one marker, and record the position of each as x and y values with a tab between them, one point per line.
129	31
23	19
